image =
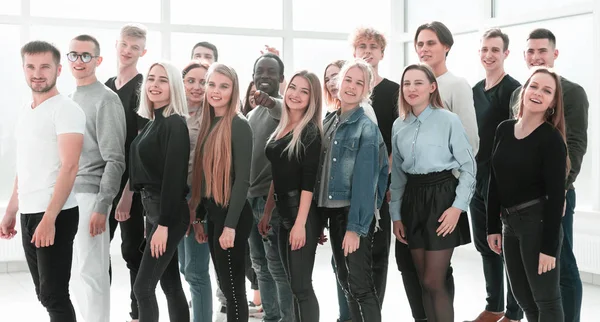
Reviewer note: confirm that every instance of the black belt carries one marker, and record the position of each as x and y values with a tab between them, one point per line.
514	210
283	196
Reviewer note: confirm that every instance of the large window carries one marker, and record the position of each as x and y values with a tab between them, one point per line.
266	14
455	14
507	8
117	10
12	7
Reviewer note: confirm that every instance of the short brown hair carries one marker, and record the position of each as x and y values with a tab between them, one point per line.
496	33
368	33
543	33
441	31
40	47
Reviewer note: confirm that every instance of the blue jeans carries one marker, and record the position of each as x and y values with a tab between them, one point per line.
194	259
570	281
275	291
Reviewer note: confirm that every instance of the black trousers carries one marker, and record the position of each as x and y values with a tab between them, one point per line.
298	265
538	295
132	237
354	272
165	268
50	267
493	264
230	264
382	240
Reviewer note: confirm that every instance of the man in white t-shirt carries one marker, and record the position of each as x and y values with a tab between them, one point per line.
49	142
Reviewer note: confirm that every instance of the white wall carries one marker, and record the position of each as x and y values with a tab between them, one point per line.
309	39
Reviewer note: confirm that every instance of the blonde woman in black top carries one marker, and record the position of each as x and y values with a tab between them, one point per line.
526	193
294	150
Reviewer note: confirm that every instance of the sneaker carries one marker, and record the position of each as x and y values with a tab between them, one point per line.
253	308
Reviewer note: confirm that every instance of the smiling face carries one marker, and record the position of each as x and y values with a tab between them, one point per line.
219	90
540	52
369	50
416	88
297	95
267	75
157	87
331	74
539	94
352	88
204	55
129	50
492	53
251	99
429	48
80	69
40	71
194	83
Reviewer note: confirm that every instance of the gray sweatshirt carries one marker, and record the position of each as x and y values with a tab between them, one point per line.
263	122
102	160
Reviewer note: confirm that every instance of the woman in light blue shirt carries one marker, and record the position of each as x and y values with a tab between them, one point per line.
429	204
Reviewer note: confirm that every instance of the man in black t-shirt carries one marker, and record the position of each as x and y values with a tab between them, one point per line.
127	210
369	44
492	106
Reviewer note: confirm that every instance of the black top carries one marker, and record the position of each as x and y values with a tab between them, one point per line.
491	107
159	162
298	173
526	169
241	154
576	107
385	103
130	97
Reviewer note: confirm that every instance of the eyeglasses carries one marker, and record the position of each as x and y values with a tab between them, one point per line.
85	57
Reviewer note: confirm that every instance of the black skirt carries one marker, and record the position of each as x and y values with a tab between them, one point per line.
425	199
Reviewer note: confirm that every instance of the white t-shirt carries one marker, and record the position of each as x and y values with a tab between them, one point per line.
38	161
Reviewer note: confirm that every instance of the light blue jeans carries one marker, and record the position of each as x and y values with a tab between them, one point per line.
194	259
275	291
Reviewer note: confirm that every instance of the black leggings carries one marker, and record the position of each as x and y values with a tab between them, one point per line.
432	267
230	264
298	265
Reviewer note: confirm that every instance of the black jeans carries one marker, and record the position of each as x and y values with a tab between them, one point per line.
230	264
381	250
50	267
571	289
538	295
132	237
354	272
298	265
493	264
165	268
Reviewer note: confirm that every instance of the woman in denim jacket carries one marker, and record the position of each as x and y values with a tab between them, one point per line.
352	180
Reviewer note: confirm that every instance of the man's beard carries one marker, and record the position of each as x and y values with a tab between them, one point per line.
45	89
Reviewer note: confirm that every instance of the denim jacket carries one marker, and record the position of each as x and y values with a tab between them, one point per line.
359	169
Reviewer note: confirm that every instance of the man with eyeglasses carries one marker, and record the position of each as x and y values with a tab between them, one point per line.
101	166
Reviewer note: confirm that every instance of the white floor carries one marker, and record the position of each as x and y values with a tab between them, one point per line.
18	301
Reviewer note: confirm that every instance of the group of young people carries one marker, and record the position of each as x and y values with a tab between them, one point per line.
190	170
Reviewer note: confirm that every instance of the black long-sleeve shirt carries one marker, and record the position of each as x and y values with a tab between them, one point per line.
526	169
385	105
491	108
576	107
159	163
299	172
130	98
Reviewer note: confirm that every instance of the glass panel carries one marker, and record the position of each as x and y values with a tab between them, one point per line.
454	14
12	7
505	8
61	37
12	82
239	52
117	10
341	15
267	14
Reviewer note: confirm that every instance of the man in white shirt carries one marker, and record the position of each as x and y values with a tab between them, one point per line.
49	142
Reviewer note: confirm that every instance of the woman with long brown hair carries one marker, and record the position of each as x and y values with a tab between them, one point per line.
220	185
429	203
527	195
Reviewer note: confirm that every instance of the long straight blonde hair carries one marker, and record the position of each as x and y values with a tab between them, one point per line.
213	156
312	114
178	101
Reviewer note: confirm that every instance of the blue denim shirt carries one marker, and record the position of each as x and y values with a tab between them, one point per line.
359	169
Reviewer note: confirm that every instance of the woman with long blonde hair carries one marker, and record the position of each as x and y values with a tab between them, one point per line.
526	197
294	150
220	183
159	159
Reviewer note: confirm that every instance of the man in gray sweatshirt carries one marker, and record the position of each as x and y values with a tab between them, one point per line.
101	166
275	291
